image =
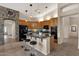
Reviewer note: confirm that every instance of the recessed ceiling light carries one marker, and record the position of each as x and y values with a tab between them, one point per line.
30	16
48	17
26	20
41	19
30	4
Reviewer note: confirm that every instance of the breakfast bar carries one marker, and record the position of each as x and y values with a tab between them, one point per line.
43	43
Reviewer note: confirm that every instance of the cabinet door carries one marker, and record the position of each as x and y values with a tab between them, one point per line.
46	46
1	31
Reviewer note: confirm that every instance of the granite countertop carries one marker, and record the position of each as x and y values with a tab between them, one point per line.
40	36
36	35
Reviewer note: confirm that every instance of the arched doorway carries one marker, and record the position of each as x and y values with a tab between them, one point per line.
9	31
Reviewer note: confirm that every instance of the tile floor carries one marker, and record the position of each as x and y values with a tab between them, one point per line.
14	49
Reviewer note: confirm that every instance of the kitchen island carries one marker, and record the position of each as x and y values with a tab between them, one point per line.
43	42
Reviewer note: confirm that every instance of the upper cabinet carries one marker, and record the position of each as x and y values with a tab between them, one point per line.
37	25
51	22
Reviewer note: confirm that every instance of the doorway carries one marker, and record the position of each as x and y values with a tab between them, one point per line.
9	31
70	26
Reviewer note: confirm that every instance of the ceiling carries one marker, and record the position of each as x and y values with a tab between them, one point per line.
36	10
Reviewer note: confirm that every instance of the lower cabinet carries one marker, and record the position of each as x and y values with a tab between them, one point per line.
42	46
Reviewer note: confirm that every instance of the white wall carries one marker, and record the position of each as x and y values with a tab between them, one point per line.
74	21
66	27
68	22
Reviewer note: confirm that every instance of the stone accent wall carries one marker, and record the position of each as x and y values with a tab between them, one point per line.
6	13
1	31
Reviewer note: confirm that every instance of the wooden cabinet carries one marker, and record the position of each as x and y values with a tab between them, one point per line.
53	44
51	22
37	25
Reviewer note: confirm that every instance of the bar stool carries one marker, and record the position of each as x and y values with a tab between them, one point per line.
23	42
26	44
33	43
